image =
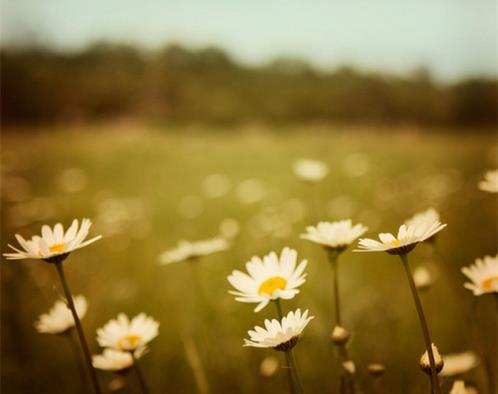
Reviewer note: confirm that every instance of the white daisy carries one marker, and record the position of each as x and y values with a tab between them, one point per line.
310	170
336	235
123	334
59	319
422	277
425	364
424	219
190	250
282	335
115	360
407	239
270	278
54	244
483	274
459	363
490	182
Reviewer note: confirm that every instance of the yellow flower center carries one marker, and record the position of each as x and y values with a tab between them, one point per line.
56	248
490	283
272	284
395	242
130	341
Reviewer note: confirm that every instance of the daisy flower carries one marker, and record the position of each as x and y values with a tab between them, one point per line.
459	363
490	182
190	250
310	170
424	219
281	336
483	274
115	360
59	319
336	235
407	239
123	334
425	364
53	244
269	278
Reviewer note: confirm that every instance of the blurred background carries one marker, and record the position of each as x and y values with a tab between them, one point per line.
163	121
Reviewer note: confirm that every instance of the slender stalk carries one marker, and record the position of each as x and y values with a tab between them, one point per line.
290	374
295	371
334	263
79	329
279	309
77	357
496	355
423	324
140	377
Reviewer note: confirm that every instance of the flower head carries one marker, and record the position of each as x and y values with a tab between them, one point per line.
425	364
483	274
123	334
59	319
54	244
269	278
458	387
336	235
310	170
459	363
189	250
407	239
115	360
424	219
490	182
279	335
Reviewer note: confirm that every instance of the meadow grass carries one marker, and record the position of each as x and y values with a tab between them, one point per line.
135	177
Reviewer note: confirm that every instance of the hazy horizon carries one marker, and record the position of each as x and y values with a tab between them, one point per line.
452	38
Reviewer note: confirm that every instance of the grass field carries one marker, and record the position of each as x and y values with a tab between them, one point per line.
145	188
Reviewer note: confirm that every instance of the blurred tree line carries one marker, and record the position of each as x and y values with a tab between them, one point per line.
205	85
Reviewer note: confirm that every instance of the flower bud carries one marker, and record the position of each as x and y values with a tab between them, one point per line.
376	370
425	364
339	336
349	366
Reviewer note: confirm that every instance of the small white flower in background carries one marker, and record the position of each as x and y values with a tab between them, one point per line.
458	387
376	369
422	277
190	250
59	319
349	366
270	278
459	363
336	235
269	366
483	274
123	334
53	243
407	239
424	219
278	335
490	182
339	335
229	228
310	170
115	360
425	364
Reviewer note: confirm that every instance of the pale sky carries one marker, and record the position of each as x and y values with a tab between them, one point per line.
453	38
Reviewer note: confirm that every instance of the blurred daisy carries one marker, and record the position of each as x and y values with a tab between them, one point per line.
54	244
190	250
458	387
310	170
278	335
424	219
59	319
490	182
459	363
407	239
336	235
422	277
115	360
483	274
425	364
269	278
123	334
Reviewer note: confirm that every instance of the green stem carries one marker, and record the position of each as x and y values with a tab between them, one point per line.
423	324
140	377
79	329
77	357
293	363
279	309
292	386
334	263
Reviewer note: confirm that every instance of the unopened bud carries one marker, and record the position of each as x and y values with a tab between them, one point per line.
376	370
340	335
349	366
458	387
425	364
